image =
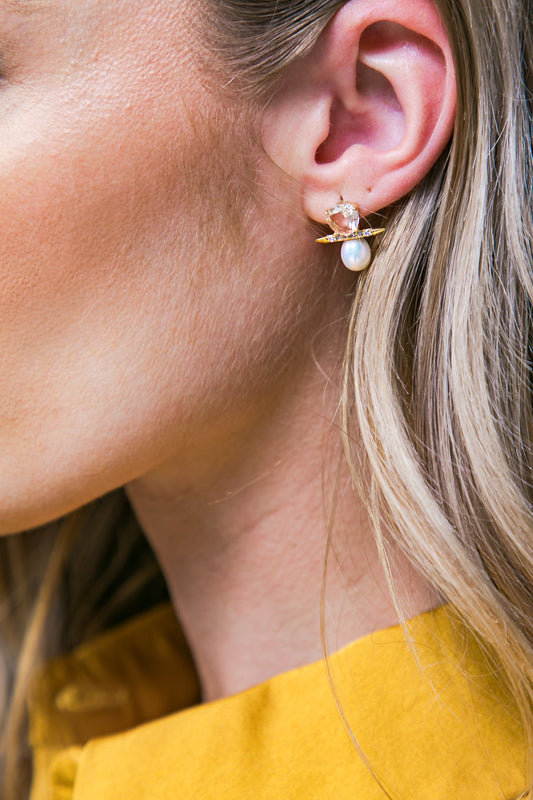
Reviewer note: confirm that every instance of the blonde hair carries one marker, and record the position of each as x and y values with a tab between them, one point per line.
438	384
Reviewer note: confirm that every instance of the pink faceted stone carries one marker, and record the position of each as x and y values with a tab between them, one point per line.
343	218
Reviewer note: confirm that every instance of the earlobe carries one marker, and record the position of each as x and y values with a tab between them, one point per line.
371	108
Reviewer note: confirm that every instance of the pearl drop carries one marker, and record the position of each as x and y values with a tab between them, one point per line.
356	254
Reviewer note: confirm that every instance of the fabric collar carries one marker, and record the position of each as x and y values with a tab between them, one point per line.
428	720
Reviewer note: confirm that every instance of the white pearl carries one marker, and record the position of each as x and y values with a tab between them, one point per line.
356	254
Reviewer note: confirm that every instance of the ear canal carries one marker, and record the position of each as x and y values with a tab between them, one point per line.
371	126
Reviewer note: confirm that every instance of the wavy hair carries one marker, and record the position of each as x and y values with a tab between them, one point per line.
438	385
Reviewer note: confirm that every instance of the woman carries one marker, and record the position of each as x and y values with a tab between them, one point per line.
171	326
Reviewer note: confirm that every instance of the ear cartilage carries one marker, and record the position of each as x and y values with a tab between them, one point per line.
343	219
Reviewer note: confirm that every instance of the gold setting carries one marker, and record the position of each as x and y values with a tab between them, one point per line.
344	219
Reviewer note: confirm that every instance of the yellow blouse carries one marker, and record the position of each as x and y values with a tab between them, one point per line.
117	720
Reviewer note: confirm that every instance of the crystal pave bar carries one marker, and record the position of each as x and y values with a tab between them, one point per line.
347	237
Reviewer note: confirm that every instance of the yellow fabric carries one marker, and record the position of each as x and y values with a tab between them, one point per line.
431	723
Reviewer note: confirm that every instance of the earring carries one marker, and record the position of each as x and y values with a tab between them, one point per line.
343	218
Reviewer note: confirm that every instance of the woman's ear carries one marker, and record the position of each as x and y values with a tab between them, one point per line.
367	113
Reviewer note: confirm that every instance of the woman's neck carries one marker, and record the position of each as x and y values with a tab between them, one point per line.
243	552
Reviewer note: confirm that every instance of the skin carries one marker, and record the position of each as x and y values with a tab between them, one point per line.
121	295
155	330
